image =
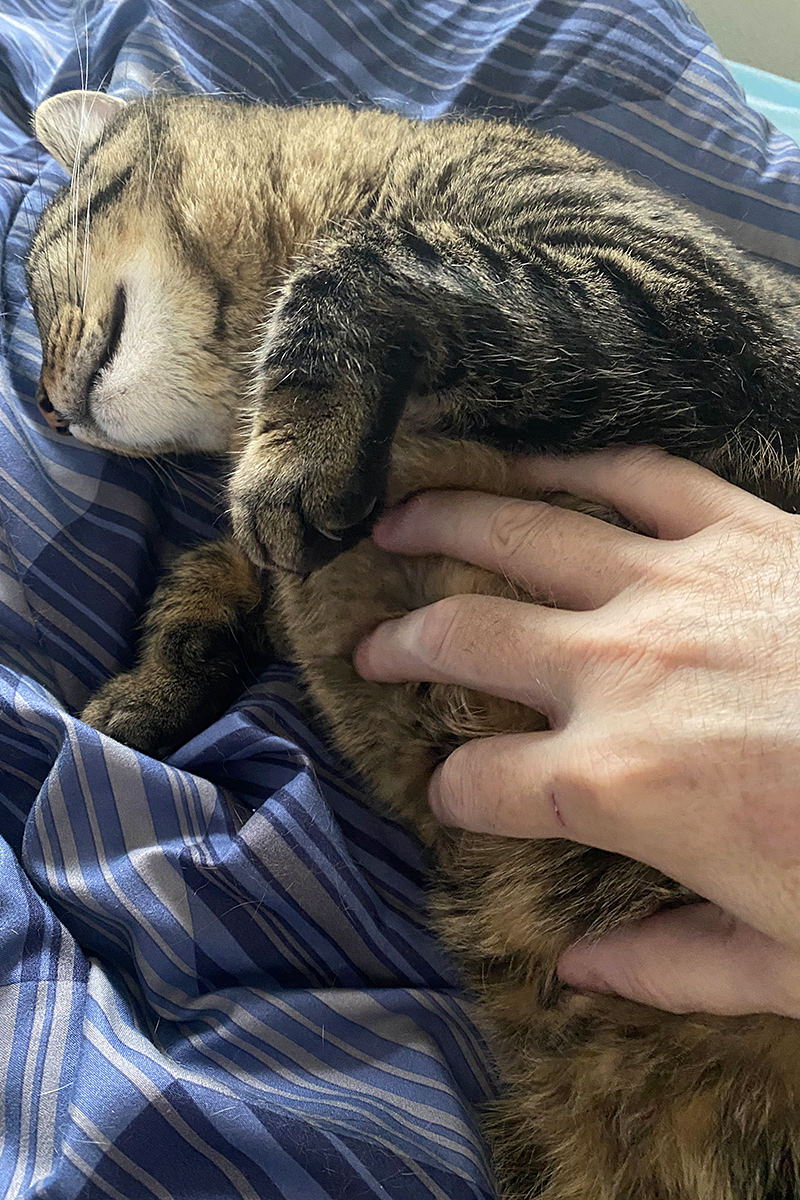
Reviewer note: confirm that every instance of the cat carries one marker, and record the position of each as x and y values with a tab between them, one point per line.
356	306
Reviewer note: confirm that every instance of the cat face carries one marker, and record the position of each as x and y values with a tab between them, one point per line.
143	344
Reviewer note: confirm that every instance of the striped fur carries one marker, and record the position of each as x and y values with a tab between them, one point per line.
359	306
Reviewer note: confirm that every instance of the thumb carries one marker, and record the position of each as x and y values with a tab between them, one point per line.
692	959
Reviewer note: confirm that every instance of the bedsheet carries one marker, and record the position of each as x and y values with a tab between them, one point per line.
216	981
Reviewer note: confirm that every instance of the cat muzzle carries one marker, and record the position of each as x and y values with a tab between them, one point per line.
53	418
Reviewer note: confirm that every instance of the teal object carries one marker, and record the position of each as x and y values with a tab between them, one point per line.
777	98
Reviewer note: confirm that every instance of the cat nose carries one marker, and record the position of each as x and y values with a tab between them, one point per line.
50	415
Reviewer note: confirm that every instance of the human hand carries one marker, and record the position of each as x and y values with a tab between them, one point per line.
669	674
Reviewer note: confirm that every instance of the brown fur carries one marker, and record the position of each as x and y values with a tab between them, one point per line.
604	1100
607	1100
404	273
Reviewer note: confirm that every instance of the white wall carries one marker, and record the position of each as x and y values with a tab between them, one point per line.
762	33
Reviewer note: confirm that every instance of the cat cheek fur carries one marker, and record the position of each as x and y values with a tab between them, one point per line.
153	394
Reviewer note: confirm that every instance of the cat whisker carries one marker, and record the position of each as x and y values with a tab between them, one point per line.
167	469
32	225
86	245
86	235
73	185
152	462
150	167
207	487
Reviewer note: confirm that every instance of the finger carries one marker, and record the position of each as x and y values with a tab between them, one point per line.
525	785
693	959
565	557
502	647
658	493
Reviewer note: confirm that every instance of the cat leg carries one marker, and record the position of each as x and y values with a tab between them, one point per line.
484	334
362	327
203	628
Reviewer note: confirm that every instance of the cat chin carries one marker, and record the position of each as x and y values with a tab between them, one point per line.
92	436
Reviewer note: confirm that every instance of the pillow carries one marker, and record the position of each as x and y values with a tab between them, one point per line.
774	96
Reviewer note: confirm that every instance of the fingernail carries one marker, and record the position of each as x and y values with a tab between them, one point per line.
436	801
576	972
361	656
383	529
392	521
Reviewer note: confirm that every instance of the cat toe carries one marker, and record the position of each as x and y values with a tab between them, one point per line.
121	711
296	521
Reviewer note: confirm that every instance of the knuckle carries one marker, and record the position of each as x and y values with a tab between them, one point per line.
464	796
641	463
591	796
626	646
513	527
442	630
640	981
572	648
582	644
768	538
654	643
451	786
609	789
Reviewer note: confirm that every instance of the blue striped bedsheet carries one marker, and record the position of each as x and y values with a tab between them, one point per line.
217	981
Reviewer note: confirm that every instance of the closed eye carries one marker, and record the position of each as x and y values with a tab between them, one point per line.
112	341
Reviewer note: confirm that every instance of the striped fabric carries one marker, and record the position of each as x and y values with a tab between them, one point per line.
216	979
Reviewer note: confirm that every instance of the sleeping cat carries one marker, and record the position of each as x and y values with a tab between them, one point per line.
357	306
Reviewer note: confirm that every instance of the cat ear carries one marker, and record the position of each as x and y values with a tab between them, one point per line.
69	123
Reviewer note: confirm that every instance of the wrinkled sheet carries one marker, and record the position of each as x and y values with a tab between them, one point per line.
216	979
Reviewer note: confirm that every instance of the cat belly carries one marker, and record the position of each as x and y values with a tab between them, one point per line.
605	1100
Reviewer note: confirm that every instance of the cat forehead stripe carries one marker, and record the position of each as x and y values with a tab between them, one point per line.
97	202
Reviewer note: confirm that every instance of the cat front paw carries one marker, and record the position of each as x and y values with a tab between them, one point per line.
297	509
141	714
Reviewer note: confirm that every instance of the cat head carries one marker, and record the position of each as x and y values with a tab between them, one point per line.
147	272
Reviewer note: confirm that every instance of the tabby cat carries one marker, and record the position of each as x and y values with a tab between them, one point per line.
355	306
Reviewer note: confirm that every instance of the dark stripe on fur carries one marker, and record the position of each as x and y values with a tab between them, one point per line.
102	199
